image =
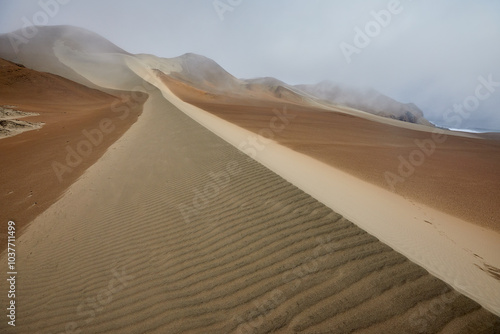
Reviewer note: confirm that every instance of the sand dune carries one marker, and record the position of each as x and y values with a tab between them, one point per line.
39	53
174	229
452	249
69	111
14	127
261	256
66	51
366	99
459	177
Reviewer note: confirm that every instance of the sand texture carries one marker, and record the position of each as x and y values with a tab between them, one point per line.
116	254
29	183
181	221
458	175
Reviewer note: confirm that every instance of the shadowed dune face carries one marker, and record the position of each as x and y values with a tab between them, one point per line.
459	175
66	51
175	230
30	182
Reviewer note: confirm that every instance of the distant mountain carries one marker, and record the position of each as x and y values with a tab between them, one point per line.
368	100
20	83
204	73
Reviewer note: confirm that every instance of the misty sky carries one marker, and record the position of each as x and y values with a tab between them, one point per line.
428	52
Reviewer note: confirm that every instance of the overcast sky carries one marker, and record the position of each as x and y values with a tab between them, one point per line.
430	52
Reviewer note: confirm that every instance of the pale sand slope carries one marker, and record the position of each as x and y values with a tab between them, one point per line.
10	125
115	255
107	226
29	183
456	251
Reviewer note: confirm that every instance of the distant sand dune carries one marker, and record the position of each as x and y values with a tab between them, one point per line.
260	257
459	176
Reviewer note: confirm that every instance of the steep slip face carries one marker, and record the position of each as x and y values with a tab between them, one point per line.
38	166
192	236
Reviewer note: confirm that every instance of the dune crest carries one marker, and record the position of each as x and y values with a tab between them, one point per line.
35	170
181	225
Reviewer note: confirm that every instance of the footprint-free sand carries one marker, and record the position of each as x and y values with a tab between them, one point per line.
116	254
173	226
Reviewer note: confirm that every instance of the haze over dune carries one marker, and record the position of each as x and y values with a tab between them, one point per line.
226	205
69	113
203	73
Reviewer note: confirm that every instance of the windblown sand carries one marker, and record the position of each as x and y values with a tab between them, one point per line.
29	183
116	254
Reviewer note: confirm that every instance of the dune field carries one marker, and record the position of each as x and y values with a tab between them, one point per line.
462	253
260	256
68	111
179	222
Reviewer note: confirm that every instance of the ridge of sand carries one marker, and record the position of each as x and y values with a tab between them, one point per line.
115	254
29	182
456	251
10	125
458	176
452	249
